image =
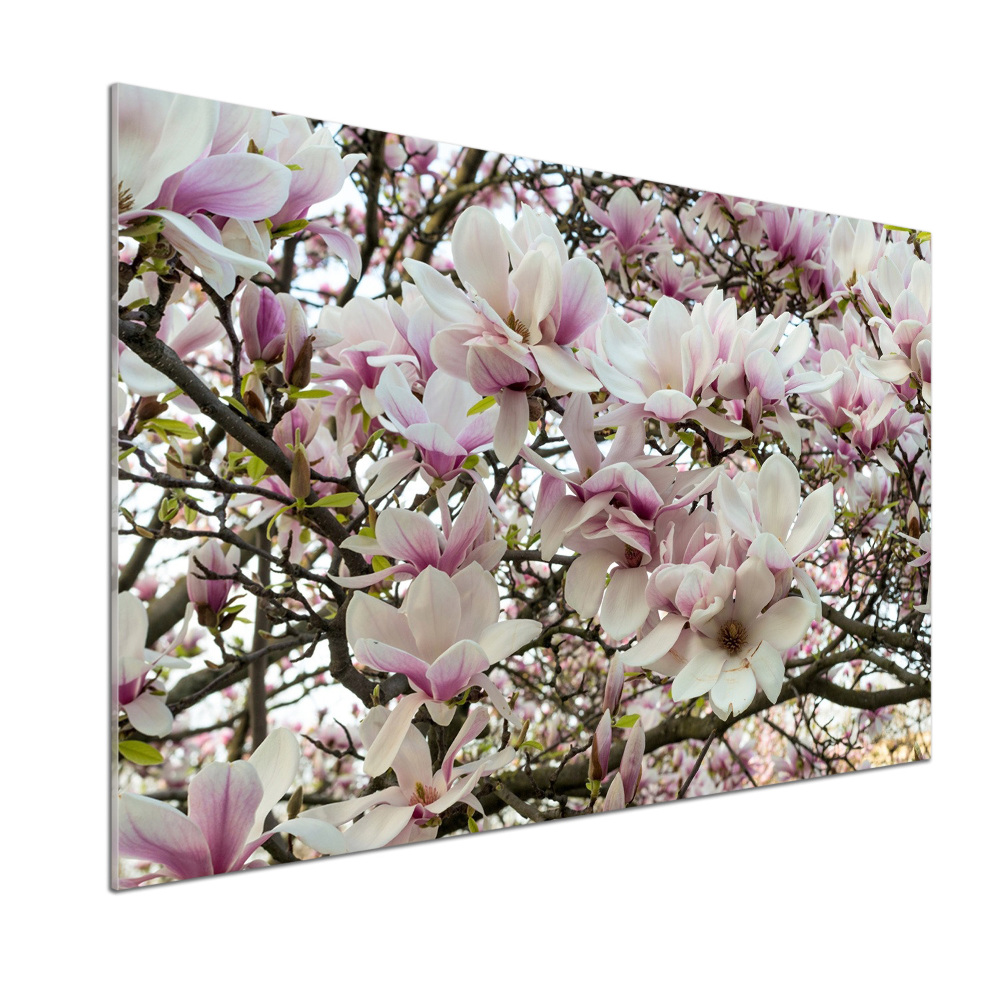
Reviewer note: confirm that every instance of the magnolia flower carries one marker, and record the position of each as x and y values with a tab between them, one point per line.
414	542
735	648
227	806
513	329
182	335
411	810
210	596
854	247
781	532
262	323
164	170
142	702
438	425
443	637
627	221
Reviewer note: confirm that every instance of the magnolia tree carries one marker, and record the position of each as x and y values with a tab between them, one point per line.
460	490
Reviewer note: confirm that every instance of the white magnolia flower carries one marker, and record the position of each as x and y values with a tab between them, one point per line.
737	648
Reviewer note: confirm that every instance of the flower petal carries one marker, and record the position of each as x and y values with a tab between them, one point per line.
624	606
785	624
698	674
222	801
153	831
276	762
778	489
734	690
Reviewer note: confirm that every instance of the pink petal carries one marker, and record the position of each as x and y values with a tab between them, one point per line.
785	624
584	584
223	801
410	536
432	612
241	185
813	523
153	831
390	737
733	691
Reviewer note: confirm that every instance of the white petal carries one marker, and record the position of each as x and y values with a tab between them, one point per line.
699	673
624	606
276	761
585	579
778	489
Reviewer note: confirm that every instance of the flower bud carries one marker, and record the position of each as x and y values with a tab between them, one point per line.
149	407
210	594
630	768
615	799
600	749
613	686
262	323
299	481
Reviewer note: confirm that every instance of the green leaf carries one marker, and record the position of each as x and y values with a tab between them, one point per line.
336	500
473	826
174	428
534	744
140	753
239	407
278	513
125	454
173	395
471	462
256	468
482	406
168	508
627	721
308	393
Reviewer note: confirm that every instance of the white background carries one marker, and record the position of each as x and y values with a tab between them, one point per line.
841	887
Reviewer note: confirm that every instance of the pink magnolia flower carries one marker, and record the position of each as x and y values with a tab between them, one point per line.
262	323
443	638
438	426
734	648
211	595
628	222
779	531
164	169
410	811
227	806
141	700
514	328
183	335
415	542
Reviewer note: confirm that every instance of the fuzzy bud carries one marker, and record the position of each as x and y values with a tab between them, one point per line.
149	407
299	480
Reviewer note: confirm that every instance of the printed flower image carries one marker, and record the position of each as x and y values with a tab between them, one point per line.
459	491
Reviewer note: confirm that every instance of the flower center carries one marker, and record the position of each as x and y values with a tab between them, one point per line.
125	200
516	325
423	796
732	636
633	557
